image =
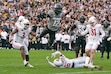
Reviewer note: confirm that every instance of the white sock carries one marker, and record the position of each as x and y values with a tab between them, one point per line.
91	63
24	62
87	60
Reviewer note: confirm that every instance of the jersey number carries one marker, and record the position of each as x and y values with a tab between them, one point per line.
56	22
93	32
67	65
23	34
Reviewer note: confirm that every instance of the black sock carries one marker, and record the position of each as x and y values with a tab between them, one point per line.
27	57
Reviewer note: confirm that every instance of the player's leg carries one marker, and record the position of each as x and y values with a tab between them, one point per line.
44	32
102	51
26	44
77	50
83	43
77	46
87	65
51	38
21	47
93	49
102	48
26	54
80	62
88	49
108	49
92	56
23	54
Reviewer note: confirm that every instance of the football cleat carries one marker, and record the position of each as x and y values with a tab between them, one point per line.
90	66
28	65
86	65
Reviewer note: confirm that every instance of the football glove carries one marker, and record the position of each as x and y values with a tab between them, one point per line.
11	39
34	39
108	39
56	53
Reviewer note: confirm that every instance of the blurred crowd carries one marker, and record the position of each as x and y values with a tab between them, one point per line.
35	10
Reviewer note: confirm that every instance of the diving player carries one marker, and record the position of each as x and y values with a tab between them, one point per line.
64	62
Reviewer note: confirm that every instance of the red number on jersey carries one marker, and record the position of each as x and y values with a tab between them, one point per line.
93	32
24	34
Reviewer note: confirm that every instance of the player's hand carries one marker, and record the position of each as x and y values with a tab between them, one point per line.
86	36
79	32
100	67
108	39
34	39
10	39
53	55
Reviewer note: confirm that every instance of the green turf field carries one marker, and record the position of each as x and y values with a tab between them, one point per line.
11	63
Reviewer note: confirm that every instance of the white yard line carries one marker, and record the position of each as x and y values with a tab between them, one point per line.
89	72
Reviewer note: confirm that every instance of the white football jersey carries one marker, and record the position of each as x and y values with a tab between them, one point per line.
21	34
95	33
72	63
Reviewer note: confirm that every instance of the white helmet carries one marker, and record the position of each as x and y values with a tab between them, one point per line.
92	20
26	22
21	19
58	62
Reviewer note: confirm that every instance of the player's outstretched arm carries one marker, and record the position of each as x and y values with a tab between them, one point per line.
56	53
14	31
52	64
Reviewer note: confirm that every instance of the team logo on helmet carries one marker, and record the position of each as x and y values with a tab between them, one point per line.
58	62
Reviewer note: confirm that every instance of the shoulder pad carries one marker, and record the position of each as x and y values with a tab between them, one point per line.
98	25
88	25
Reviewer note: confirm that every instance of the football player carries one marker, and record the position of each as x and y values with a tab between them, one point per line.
106	41
64	62
96	33
17	36
80	40
55	17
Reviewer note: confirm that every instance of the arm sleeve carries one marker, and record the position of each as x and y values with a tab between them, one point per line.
57	53
52	64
